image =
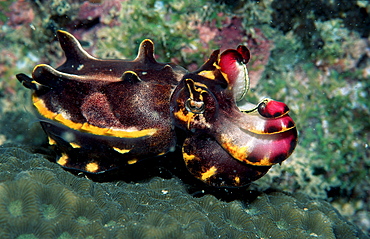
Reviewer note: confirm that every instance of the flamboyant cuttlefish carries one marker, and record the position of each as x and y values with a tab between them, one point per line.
104	114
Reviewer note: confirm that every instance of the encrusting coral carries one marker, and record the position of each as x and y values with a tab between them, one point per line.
40	200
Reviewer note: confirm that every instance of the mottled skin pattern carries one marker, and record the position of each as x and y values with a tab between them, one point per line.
104	114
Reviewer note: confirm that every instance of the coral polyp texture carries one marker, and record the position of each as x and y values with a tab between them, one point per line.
105	114
38	199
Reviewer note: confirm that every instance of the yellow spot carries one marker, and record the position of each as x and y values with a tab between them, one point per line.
132	161
188	157
52	141
121	151
209	173
237	180
75	146
88	128
92	167
63	160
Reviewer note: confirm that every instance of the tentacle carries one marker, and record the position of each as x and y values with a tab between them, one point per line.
256	149
257	139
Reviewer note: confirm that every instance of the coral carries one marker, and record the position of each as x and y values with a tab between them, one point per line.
106	12
21	13
304	20
40	200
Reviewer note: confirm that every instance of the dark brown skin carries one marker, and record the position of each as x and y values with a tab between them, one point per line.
130	96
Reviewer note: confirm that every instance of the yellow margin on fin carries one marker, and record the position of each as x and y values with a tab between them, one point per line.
85	127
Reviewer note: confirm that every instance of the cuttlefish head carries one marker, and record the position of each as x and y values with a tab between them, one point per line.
227	144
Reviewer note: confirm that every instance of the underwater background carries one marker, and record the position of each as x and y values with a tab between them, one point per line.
312	55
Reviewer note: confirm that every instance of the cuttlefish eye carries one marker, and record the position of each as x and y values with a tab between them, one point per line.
194	106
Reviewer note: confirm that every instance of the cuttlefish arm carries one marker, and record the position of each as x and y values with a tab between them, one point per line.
263	136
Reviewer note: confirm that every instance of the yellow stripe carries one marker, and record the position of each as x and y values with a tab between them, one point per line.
86	127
